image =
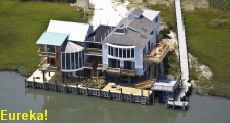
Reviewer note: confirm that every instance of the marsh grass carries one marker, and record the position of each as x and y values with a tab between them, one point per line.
21	24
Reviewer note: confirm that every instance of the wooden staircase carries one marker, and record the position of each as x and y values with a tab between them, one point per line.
145	84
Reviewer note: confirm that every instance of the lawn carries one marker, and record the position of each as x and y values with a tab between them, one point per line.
21	24
211	44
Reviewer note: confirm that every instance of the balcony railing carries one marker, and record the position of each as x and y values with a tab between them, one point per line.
46	66
121	71
93	51
45	53
157	53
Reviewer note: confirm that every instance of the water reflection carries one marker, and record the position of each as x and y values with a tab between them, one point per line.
68	108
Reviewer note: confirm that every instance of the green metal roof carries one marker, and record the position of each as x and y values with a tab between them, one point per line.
50	38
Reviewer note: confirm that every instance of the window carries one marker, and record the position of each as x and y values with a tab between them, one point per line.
112	51
128	53
109	50
63	60
129	65
76	61
124	53
72	61
132	52
67	60
51	49
120	52
116	52
80	59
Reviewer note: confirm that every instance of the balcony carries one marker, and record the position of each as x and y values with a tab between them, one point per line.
157	53
93	51
43	53
44	66
120	71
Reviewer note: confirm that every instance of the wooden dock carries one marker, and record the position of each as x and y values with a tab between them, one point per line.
143	97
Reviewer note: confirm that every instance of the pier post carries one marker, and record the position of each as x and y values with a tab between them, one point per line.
109	95
26	83
77	88
66	90
43	76
131	97
173	104
56	86
87	90
121	95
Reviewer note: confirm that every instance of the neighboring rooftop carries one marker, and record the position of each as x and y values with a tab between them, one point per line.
50	38
99	34
76	31
135	30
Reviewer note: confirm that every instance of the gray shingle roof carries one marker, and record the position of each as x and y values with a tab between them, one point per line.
131	31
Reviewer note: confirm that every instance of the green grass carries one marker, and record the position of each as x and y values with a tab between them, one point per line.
21	24
211	44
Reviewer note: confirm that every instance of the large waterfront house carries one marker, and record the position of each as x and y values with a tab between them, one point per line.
131	51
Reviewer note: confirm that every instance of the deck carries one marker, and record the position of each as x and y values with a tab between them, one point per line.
157	53
53	82
120	71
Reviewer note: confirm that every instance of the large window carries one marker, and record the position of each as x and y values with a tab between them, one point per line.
121	52
72	61
114	63
129	65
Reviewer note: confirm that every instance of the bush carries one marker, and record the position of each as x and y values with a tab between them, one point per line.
171	64
220	23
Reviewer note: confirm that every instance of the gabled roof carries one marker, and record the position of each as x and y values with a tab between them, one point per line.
50	38
76	31
132	31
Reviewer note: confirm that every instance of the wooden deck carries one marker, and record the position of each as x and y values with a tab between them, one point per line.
53	83
157	53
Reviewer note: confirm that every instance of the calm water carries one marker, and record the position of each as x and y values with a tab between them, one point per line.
67	108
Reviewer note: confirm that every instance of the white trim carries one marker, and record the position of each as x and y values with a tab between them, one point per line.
118	46
72	70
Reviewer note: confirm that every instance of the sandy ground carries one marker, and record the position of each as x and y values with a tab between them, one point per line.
108	12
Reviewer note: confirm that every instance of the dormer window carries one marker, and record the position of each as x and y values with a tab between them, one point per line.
121	31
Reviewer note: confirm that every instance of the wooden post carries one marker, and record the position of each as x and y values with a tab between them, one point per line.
77	88
131	97
66	89
109	95
26	83
49	73
87	89
63	80
43	75
121	95
56	86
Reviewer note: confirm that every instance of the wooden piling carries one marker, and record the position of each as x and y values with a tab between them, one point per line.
121	95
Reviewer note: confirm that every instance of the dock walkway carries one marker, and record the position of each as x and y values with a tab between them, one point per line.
183	53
